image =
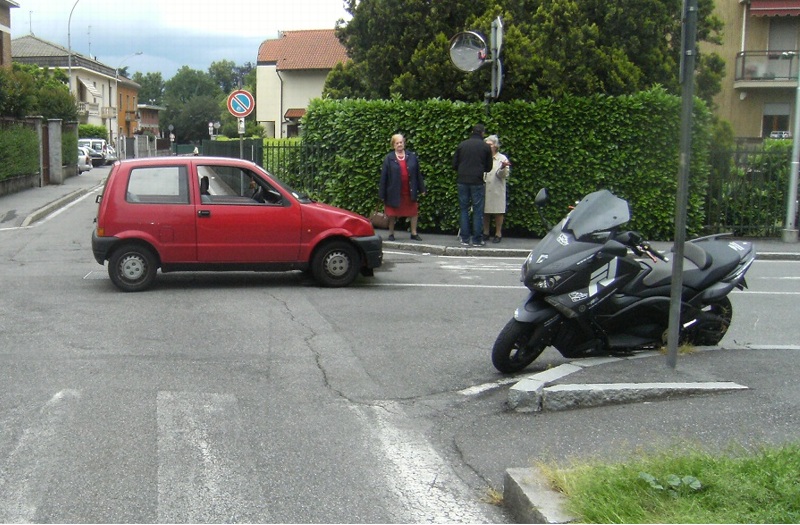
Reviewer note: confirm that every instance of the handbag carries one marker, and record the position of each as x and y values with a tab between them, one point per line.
379	220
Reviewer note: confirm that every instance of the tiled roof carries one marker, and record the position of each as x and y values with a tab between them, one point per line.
294	113
308	49
30	49
31	46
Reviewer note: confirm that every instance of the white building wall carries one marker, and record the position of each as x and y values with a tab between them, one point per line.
299	88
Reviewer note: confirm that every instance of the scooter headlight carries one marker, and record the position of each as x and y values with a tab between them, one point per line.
549	283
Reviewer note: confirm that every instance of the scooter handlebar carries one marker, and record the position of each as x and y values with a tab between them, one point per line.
636	242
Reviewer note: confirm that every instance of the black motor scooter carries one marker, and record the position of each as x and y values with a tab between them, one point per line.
597	290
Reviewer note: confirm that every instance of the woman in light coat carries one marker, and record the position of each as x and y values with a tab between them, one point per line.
495	202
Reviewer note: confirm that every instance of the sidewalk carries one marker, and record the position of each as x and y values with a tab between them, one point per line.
439	244
27	207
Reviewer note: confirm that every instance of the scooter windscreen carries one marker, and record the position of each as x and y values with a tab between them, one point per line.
598	211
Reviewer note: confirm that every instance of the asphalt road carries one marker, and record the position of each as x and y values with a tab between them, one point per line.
261	397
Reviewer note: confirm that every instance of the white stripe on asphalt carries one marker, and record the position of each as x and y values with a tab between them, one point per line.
202	461
428	488
30	465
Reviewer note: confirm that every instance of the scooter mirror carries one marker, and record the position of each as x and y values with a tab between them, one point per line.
541	198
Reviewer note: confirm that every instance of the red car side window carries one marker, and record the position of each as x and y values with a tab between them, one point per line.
162	185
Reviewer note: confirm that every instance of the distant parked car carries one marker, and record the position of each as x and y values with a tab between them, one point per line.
780	135
84	160
98	149
209	213
111	155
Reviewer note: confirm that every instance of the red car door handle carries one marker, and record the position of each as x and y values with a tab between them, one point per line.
204	213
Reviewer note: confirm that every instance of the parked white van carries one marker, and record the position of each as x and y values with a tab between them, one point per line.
98	149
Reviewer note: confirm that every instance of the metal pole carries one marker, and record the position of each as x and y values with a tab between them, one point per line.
687	103
789	232
69	45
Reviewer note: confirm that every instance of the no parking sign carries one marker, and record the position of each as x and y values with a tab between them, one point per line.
241	103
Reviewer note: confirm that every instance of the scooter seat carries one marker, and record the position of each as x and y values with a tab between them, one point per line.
704	262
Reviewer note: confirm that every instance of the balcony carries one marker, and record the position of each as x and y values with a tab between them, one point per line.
766	69
108	112
88	108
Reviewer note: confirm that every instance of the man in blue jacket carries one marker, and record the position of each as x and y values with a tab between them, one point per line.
473	158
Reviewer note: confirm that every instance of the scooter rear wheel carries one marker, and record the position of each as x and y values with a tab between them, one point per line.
518	345
711	324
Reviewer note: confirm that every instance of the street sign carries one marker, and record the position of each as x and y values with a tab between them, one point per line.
241	103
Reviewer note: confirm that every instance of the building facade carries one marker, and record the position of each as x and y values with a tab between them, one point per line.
291	71
103	98
5	31
148	119
761	50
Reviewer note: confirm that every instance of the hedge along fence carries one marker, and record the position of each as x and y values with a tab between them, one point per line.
571	146
19	149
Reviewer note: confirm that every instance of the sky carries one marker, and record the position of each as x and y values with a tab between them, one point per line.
169	33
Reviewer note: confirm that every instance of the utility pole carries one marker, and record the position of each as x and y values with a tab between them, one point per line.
688	55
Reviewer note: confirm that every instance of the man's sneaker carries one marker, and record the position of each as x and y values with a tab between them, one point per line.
479	243
464	243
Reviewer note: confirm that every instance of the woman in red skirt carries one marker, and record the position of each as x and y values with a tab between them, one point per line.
401	185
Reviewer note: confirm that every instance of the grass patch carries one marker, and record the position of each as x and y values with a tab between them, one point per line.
686	487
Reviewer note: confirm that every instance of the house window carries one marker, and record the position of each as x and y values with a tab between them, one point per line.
776	118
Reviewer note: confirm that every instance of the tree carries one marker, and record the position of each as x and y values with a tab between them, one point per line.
151	90
225	74
191	118
346	80
30	90
189	83
383	35
17	93
192	101
551	48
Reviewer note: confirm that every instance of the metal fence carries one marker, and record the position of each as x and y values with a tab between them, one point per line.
747	191
298	165
249	149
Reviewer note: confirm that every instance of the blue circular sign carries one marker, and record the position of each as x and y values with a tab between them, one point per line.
241	103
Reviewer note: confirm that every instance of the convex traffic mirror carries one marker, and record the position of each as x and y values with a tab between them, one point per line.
468	50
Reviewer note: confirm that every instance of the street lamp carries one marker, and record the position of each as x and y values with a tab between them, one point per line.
69	45
789	233
117	100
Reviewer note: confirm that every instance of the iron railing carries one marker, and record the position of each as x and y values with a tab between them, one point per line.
767	65
747	191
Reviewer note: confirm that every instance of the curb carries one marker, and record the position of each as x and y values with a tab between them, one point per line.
53	206
528	497
457	250
486	251
539	393
527	494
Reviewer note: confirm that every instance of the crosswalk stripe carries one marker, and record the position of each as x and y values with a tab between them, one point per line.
31	462
203	461
427	486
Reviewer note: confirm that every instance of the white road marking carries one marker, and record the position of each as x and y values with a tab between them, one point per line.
203	461
29	466
427	487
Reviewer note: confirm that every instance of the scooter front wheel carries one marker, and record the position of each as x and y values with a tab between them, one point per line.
517	345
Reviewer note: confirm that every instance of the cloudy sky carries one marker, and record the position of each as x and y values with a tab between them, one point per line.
169	33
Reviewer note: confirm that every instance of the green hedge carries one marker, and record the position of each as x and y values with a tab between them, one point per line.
19	149
69	146
572	146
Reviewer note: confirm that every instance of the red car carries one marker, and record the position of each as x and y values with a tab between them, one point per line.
209	213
